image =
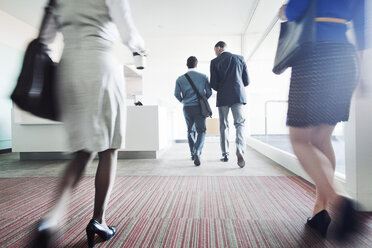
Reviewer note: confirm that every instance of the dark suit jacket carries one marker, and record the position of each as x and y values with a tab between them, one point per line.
229	76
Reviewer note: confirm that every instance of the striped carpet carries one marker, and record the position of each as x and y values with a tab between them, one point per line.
174	211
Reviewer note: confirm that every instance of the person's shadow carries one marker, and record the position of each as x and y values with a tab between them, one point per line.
84	243
310	238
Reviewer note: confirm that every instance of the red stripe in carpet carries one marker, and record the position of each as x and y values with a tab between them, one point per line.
158	211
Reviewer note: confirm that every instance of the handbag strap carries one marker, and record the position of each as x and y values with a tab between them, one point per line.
193	86
47	13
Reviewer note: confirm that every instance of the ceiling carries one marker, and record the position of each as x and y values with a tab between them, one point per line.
180	17
171	17
210	17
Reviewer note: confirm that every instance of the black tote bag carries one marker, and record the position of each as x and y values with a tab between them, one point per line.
205	108
35	90
293	36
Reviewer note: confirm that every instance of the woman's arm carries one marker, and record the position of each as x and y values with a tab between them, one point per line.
120	13
359	25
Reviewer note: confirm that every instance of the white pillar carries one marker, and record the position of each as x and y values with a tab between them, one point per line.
358	140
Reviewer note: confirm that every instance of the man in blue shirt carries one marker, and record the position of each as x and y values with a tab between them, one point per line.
191	109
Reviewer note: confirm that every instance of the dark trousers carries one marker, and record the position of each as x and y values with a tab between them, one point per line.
195	122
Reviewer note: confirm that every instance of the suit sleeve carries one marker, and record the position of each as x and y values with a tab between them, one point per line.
177	92
214	77
208	90
119	11
245	73
295	9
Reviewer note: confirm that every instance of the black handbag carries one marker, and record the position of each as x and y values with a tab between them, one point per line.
35	91
205	109
293	39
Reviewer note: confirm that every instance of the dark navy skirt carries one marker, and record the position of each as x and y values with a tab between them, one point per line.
322	83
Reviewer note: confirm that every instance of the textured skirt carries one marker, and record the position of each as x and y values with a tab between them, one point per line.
322	83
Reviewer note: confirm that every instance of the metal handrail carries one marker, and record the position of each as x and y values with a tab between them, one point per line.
266	103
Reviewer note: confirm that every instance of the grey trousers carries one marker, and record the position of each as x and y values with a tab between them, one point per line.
239	122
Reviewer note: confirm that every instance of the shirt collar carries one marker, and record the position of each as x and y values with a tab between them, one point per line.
222	53
191	69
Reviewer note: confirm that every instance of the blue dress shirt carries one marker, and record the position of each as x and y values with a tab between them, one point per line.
185	93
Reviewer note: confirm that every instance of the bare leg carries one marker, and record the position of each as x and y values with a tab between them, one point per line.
69	180
314	162
105	178
321	139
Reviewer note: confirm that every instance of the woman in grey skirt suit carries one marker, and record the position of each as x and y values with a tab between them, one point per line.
92	99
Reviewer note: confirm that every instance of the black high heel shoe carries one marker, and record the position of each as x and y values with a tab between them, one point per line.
44	237
94	227
320	222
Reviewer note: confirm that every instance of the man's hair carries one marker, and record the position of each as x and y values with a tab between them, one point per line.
192	62
221	44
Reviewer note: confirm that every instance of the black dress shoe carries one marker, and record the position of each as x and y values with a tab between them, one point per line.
94	227
44	238
225	158
196	160
241	161
320	222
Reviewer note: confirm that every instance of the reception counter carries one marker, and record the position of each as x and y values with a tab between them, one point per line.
148	133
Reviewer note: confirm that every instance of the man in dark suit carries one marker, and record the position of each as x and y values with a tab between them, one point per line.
229	76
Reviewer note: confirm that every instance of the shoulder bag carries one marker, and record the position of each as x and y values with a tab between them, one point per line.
293	37
35	91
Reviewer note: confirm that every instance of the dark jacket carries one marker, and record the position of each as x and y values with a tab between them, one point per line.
229	76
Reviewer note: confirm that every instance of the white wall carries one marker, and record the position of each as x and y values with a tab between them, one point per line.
358	133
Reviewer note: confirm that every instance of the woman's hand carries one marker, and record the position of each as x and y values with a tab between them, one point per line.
281	13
